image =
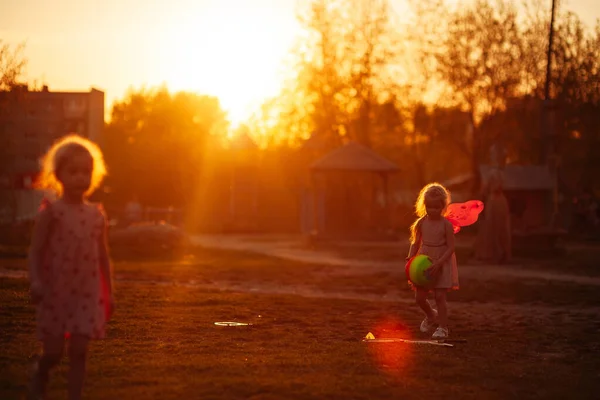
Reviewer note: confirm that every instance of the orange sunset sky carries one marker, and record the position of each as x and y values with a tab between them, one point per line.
233	49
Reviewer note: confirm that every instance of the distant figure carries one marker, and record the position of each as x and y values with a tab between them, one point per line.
133	212
433	235
494	241
69	267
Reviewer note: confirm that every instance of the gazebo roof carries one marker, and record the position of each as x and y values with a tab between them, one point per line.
353	157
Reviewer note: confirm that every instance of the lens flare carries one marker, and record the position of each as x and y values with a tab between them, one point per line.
391	358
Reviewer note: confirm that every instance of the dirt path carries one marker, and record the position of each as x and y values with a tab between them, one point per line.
290	249
485	310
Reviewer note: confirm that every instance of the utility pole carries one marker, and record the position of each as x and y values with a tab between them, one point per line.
548	148
549	59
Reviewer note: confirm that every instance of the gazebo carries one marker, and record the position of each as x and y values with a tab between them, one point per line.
349	193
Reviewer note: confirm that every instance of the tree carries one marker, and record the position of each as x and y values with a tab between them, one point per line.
373	50
319	75
475	77
576	92
482	55
157	143
434	148
309	102
479	61
12	64
343	67
488	69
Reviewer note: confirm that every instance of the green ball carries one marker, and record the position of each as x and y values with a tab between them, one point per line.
417	268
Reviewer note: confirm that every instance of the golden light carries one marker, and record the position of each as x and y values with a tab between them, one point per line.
235	53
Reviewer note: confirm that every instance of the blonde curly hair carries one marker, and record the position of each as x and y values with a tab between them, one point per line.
432	191
59	153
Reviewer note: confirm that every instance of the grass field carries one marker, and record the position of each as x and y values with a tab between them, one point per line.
525	338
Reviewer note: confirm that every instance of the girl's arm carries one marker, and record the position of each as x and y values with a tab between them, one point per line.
449	242
41	231
414	247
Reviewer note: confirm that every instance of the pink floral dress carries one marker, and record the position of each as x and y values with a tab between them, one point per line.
75	297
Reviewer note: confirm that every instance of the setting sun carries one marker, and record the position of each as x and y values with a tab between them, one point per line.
235	55
232	49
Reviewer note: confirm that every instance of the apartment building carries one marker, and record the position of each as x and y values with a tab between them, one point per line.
30	121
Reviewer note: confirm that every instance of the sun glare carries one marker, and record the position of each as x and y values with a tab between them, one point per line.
235	55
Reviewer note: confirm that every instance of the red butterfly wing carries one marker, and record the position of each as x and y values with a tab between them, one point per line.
464	214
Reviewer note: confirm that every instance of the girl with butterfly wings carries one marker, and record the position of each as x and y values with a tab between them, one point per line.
432	234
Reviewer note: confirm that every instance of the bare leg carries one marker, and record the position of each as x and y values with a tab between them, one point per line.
421	299
77	360
53	348
442	306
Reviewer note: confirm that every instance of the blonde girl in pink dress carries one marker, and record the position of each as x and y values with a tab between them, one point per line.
433	235
69	267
